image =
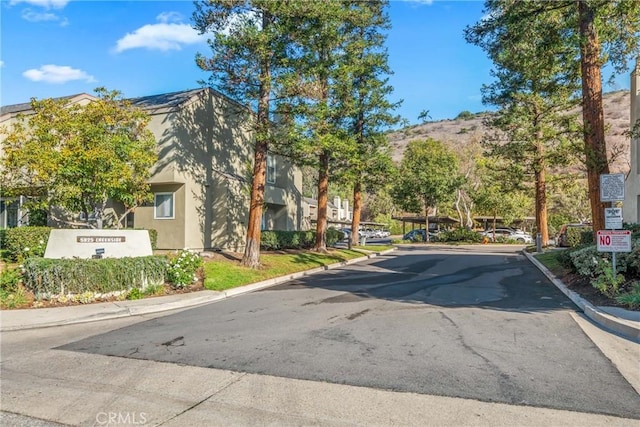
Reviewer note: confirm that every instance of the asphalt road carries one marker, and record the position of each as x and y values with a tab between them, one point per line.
472	322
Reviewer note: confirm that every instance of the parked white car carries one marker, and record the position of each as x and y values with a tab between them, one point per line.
508	233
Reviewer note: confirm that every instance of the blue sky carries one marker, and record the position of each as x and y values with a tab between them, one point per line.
52	48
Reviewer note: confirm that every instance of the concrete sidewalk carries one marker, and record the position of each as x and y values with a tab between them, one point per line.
622	322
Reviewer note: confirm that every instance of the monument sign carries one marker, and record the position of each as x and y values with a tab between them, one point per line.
89	243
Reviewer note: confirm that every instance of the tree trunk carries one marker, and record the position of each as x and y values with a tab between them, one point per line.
323	198
357	211
592	113
457	204
426	221
541	190
251	257
541	207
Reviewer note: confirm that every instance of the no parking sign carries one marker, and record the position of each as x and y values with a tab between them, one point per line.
614	240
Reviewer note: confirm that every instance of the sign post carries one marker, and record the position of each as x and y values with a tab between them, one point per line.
612	187
613	218
613	241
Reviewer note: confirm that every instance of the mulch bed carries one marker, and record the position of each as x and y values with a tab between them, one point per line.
582	286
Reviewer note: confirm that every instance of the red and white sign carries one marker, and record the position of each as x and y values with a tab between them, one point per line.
614	240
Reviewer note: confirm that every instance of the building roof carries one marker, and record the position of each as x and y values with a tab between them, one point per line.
314	202
160	101
26	106
165	100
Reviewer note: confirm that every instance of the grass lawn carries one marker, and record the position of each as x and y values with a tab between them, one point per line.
222	274
550	259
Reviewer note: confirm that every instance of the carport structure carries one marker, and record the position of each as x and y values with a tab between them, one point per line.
440	221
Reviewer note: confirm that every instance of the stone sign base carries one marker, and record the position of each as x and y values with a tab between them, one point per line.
88	243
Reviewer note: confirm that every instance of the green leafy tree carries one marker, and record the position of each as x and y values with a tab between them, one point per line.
497	195
79	157
568	42
428	176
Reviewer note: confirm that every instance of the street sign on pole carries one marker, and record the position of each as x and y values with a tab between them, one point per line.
613	218
611	187
614	240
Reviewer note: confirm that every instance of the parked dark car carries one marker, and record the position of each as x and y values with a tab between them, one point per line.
420	236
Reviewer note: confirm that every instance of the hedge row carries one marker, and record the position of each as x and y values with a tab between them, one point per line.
47	277
24	242
279	239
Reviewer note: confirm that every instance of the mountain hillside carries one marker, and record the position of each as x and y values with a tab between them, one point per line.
458	132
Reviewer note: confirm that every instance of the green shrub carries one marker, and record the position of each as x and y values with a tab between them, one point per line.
269	240
153	237
465	115
3	231
631	260
334	236
134	294
182	267
577	236
608	284
564	258
272	240
587	261
13	299
10	279
38	217
459	235
50	277
631	298
25	242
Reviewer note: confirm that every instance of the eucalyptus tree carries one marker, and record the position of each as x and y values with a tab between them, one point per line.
78	157
250	43
427	177
567	42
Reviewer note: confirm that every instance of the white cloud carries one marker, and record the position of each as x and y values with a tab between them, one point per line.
162	36
57	74
1	63
169	17
48	4
33	16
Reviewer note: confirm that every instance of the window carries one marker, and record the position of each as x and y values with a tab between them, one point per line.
271	169
163	206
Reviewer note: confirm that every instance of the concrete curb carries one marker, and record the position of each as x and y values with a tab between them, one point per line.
15	320
625	328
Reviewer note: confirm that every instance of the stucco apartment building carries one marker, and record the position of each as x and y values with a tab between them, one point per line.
201	181
631	210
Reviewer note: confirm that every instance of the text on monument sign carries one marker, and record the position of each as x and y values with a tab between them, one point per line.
612	187
101	239
614	240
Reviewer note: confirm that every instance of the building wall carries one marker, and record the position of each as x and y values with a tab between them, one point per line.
206	147
631	212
